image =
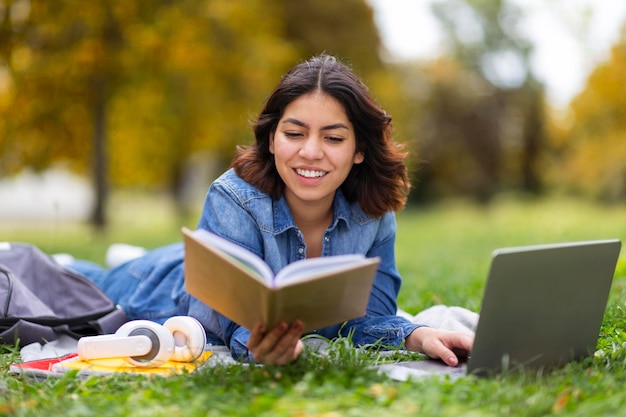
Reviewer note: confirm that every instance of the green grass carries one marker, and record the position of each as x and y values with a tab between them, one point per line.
443	254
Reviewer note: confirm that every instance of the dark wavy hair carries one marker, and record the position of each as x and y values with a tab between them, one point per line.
380	183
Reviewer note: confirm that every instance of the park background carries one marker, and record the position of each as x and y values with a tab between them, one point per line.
111	106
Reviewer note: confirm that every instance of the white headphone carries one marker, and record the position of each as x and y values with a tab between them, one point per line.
146	343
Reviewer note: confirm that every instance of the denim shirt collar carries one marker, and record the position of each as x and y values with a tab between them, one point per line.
343	211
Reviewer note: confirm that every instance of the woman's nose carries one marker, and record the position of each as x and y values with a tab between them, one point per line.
311	148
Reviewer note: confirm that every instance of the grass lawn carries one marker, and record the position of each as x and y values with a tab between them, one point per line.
443	254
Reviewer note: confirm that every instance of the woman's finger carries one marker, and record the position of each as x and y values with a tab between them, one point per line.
256	335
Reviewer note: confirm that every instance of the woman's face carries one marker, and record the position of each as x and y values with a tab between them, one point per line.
314	148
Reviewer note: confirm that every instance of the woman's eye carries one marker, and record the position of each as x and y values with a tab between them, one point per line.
293	134
334	139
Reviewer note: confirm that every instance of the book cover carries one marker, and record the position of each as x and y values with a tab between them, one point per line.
238	284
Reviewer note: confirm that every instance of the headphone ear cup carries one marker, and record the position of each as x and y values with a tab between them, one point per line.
161	338
189	338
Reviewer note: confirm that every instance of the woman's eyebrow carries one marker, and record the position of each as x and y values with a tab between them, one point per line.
335	126
302	124
295	122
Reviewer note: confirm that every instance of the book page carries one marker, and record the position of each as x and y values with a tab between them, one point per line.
242	255
327	298
305	268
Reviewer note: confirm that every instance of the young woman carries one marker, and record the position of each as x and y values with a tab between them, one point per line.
323	177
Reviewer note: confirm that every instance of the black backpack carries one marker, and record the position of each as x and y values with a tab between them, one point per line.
40	299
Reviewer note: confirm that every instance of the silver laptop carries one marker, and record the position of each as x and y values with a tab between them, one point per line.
542	307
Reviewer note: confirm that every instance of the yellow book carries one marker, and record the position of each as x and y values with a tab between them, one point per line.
120	365
241	286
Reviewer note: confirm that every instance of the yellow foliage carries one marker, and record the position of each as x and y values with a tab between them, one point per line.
168	78
172	78
594	160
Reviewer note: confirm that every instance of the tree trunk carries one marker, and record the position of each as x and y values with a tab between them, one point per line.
100	157
531	181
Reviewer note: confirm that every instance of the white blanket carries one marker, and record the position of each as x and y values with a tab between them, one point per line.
445	317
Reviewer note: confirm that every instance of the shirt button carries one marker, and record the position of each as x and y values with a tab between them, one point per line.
326	238
301	251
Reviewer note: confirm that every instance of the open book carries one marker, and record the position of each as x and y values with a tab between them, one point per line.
241	286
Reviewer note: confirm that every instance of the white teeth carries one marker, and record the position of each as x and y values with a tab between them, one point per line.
310	174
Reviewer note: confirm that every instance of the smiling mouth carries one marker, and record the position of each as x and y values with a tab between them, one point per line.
310	174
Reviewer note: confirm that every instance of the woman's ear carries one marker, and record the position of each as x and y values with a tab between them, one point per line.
359	157
272	143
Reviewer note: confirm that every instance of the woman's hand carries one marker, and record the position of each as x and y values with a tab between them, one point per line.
440	344
278	346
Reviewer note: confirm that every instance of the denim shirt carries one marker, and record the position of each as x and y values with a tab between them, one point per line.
152	286
241	213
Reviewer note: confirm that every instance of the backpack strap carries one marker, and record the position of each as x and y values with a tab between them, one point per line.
109	323
6	287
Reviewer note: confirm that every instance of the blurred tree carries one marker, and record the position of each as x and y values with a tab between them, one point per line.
151	82
342	28
205	67
592	149
62	70
133	90
481	118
